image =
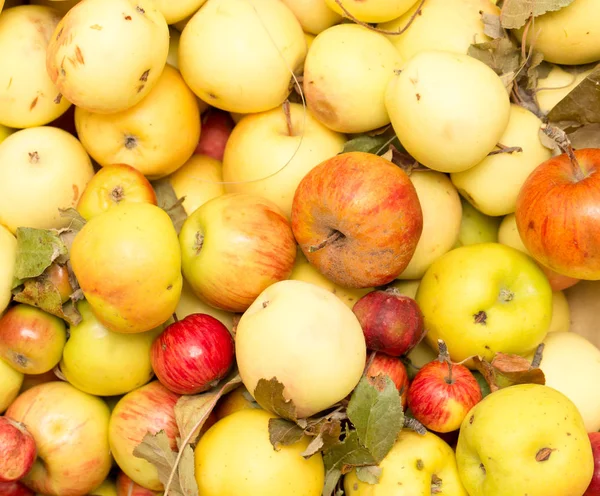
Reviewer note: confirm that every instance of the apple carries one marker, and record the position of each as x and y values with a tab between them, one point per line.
557	214
5	132
33	380
126	487
216	128
392	323
594	487
238	399
189	303
314	15
476	227
177	11
15	488
485	298
107	488
373	11
8	255
64	421
156	136
135	281
561	313
112	185
338	212
233	247
31	340
393	368
269	48
81	60
42	169
58	275
192	354
148	409
269	153
442	393
10	384
17	449
582	300
62	6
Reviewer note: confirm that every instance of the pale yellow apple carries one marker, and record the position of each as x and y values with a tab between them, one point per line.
156	136
128	264
451	25
1	5
8	253
476	227
583	298
371	11
107	488
254	73
179	10
5	132
524	439
10	384
309	39
346	72
406	287
106	55
70	429
200	179
62	6
28	97
508	233
561	313
409	468
307	338
492	186
442	214
189	303
42	169
173	56
557	84
314	15
449	110
265	157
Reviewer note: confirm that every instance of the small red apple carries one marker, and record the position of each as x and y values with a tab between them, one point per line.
594	487
557	213
15	488
193	354
394	369
357	219
126	487
216	128
442	393
17	450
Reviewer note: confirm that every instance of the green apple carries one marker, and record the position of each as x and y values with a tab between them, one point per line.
485	298
524	440
106	363
5	132
10	384
476	227
416	465
8	253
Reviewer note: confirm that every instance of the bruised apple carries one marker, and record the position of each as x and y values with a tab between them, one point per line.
357	218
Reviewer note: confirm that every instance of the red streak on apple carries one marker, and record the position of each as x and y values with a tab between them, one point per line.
18	450
15	488
126	487
594	487
216	128
193	354
394	369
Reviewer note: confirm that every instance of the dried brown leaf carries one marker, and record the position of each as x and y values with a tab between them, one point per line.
517	370
269	394
284	433
515	13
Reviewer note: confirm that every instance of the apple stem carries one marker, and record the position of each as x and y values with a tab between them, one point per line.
175	318
414	425
505	149
444	357
288	117
333	237
537	358
564	143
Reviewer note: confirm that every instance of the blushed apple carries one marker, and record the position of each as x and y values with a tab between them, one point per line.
10	384
216	128
15	488
358	219
58	275
17	450
594	487
126	487
392	367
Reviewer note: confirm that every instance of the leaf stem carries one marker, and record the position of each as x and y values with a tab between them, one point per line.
414	425
332	238
537	358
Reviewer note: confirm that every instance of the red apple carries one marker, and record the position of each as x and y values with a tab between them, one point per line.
594	487
358	219
17	450
557	214
15	489
193	354
216	128
557	281
442	393
126	487
394	369
392	322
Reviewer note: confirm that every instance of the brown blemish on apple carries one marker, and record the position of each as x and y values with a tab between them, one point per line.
34	157
97	27
420	464
130	142
320	104
480	318
471	419
9	83
169	287
33	103
140	88
58	98
117	194
140	10
79	55
418	97
436	484
20	360
543	454
128	18
482	467
506	295
199	242
75	193
59	34
265	304
213	96
144	76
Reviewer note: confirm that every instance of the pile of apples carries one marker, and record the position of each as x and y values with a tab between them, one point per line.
235	233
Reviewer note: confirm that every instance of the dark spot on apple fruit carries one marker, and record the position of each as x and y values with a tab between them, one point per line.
480	318
20	360
128	18
418	97
543	454
130	142
34	157
265	304
471	419
140	10
144	76
436	484
58	98
531	225
420	464
199	242
482	467
169	287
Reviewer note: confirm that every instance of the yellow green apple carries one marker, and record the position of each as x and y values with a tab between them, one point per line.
238	399
476	227
134	282
372	11
107	488
406	286
557	84
8	253
314	15
10	384
523	439
561	313
485	298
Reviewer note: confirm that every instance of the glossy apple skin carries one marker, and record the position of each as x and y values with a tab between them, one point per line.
394	369
31	340
126	487
216	128
558	217
392	322
439	406
373	204
58	275
193	354
17	450
594	487
15	489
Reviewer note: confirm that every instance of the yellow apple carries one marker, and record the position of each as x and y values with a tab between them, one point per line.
105	363
442	214
107	488
42	169
406	287
492	186
156	136
561	313
189	303
70	429
346	72
269	46
106	55
583	298
449	110
265	157
62	6
8	253
523	440
235	457
485	298
178	11
29	98
309	40
371	11
134	282
314	15
476	227
1	5
558	84
5	132
173	56
10	384
233	402
307	338
410	468
200	179
451	25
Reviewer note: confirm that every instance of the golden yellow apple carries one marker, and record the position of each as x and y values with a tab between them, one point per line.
107	488
28	97
557	84
8	253
42	169
233	402
269	46
314	15
106	55
267	156
156	136
10	384
179	10
371	11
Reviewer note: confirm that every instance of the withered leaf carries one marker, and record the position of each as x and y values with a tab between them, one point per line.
76	220
326	431
502	55
168	201
492	26
284	433
186	472
487	371
515	13
36	250
269	395
369	475
517	370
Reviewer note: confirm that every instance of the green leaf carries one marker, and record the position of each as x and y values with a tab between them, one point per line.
515	13
375	410
284	433
36	250
369	475
168	201
367	144
269	395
